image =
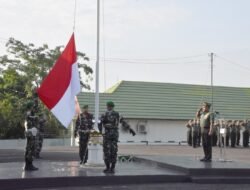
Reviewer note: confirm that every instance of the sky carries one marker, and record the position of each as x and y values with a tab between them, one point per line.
142	40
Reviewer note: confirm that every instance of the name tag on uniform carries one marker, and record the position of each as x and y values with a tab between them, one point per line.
222	131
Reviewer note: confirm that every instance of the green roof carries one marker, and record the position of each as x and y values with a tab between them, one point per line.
150	100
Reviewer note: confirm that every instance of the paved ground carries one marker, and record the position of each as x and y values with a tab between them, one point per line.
169	186
62	161
14	170
71	153
235	154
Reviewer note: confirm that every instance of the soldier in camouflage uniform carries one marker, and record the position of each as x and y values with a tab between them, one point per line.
217	132
214	135
189	132
30	125
109	127
246	126
238	128
206	123
84	124
199	134
227	132
233	134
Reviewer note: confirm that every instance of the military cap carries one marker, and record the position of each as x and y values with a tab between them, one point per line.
85	107
111	104
206	104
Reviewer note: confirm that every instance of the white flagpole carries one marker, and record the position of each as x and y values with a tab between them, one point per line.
97	68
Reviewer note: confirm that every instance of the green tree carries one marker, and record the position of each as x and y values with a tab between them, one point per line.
22	70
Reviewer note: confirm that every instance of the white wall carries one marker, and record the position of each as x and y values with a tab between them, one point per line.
157	130
21	143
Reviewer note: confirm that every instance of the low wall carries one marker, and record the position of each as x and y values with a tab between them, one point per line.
20	143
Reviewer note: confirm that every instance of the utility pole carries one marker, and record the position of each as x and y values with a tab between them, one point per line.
97	68
212	80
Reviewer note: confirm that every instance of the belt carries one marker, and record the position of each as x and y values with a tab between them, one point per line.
33	131
110	126
83	131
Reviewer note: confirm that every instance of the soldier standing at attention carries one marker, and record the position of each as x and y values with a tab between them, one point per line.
109	128
246	125
217	132
228	131
189	132
30	133
214	134
84	124
195	133
233	134
238	128
206	123
199	134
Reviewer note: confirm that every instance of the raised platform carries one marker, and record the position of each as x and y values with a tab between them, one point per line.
57	171
202	172
69	174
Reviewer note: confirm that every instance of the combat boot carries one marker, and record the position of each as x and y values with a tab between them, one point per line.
107	167
112	169
29	166
33	168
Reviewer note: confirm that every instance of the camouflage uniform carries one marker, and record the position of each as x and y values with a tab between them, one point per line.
189	132
109	127
238	128
246	134
40	135
214	136
31	123
217	133
206	121
84	124
199	134
227	132
233	134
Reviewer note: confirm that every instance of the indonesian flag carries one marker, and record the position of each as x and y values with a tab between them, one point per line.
62	84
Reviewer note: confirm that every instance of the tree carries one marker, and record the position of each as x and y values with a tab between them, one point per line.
22	70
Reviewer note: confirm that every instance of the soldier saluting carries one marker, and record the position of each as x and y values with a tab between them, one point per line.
206	123
84	124
109	127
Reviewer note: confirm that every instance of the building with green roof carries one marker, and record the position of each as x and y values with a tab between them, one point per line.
159	111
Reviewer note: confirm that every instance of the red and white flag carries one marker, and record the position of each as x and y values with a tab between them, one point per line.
62	84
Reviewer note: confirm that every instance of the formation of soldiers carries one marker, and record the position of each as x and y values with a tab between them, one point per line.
34	133
235	132
109	128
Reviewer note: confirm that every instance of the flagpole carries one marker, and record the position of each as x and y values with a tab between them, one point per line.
97	68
